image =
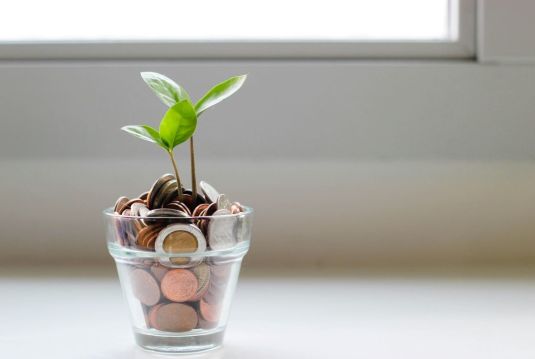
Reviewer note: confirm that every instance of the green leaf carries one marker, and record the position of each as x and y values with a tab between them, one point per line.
168	91
178	124
144	132
219	92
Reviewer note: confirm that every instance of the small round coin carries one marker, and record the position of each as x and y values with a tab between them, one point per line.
179	285
209	191
209	312
167	192
179	238
156	188
222	230
120	204
202	272
144	287
158	271
152	315
174	317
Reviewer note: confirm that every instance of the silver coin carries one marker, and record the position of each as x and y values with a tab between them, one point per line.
222	231
210	192
223	202
143	211
136	207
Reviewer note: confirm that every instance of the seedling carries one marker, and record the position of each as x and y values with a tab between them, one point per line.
179	122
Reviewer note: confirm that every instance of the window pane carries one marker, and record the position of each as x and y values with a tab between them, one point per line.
65	20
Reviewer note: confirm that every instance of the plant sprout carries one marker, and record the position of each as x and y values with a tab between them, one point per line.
172	94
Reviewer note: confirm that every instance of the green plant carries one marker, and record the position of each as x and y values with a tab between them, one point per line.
172	94
176	127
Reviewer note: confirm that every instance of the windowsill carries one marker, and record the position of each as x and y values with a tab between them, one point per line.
480	315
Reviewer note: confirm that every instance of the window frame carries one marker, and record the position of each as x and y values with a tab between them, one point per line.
463	46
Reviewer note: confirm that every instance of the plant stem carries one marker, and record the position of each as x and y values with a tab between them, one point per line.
179	185
193	175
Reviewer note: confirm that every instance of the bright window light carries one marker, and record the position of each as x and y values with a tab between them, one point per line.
121	20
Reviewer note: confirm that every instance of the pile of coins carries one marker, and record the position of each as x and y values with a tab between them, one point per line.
180	299
165	222
181	288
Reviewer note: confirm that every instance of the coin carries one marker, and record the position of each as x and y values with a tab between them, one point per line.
174	317
158	271
143	211
197	211
166	193
180	238
132	201
144	287
236	208
144	196
146	237
165	215
209	312
136	207
179	206
209	191
156	188
187	199
223	202
222	230
179	285
119	204
202	272
152	315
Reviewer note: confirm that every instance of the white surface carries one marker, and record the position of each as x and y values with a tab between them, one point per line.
375	316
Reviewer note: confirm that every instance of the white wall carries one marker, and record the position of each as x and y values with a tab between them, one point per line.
349	162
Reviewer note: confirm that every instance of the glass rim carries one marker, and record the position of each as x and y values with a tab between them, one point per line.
110	213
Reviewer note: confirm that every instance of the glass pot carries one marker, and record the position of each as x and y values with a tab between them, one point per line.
178	275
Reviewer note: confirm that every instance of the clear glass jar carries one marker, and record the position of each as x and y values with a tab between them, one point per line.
177	288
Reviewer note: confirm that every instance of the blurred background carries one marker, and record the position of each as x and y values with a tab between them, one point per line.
391	135
369	133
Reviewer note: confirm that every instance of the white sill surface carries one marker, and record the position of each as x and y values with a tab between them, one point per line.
489	315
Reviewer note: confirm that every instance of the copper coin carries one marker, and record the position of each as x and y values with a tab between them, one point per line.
187	199
169	216
209	312
156	188
147	236
202	272
120	204
197	211
179	285
152	315
200	197
211	209
144	196
236	208
175	317
158	271
178	206
144	287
